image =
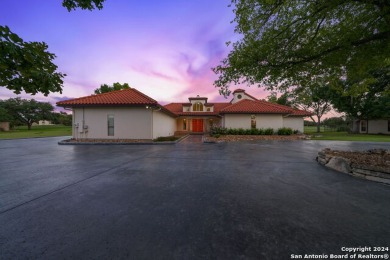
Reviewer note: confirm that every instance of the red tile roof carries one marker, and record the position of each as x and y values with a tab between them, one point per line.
125	97
257	107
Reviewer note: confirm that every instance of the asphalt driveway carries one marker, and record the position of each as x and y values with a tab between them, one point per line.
263	200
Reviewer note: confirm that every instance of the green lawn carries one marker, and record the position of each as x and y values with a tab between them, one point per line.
37	131
344	136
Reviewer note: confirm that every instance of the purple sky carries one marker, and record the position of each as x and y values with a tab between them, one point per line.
165	49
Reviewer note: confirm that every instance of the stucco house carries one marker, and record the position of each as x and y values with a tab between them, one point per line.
374	126
130	114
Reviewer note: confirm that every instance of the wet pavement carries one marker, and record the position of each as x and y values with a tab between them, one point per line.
263	200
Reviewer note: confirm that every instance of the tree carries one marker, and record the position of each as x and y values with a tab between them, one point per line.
287	43
316	98
4	115
364	99
28	66
61	118
284	99
83	4
27	111
336	123
104	88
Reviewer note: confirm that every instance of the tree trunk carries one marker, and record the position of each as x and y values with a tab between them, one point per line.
29	126
318	124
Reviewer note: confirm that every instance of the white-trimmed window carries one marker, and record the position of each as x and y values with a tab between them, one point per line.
363	126
197	107
110	125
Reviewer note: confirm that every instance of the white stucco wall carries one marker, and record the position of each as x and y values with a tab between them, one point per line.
163	124
295	123
129	123
377	127
266	121
244	121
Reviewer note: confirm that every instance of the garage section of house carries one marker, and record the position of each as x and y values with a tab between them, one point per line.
122	114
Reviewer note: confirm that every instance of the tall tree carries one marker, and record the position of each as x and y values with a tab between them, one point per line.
364	99
28	66
287	43
315	98
104	88
27	111
83	4
284	99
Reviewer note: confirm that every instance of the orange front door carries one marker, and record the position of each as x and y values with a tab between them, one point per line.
197	125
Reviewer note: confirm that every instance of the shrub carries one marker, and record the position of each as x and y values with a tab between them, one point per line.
248	131
343	129
218	130
269	131
240	131
260	131
295	131
166	138
217	135
285	131
254	131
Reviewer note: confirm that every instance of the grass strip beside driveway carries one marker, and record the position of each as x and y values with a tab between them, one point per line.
37	131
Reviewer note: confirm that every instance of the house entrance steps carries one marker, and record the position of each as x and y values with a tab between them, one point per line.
193	139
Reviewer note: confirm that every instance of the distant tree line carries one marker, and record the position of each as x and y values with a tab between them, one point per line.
19	111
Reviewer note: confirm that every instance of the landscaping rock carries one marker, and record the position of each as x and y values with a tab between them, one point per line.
373	165
339	164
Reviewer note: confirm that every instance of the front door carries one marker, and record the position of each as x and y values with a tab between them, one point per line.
197	125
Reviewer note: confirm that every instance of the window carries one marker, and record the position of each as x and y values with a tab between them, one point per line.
363	126
110	125
253	121
239	96
197	107
184	124
208	109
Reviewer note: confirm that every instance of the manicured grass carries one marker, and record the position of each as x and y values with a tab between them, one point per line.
37	131
344	136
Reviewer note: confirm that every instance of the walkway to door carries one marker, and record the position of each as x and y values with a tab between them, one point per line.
192	139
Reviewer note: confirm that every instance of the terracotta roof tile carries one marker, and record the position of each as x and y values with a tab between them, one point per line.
256	106
129	96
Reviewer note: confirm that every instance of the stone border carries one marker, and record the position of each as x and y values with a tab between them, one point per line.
344	165
67	142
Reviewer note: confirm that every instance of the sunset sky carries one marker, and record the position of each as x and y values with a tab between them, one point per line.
165	49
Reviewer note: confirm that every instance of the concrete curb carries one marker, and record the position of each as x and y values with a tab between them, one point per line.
64	142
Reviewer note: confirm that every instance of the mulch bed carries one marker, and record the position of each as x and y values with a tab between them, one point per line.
374	157
237	138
